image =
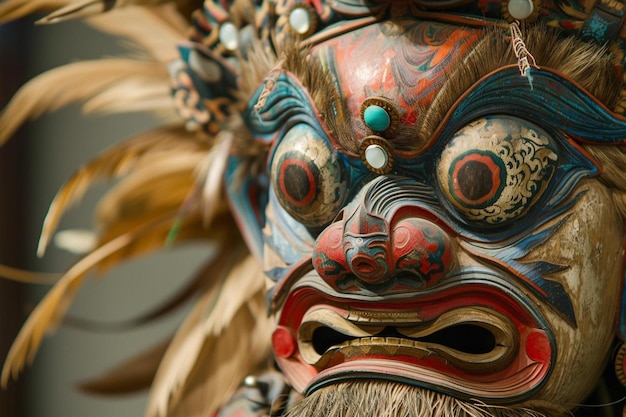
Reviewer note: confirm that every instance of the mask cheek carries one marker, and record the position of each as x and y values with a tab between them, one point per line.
590	245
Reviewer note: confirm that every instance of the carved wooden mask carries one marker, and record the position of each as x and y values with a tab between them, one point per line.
432	217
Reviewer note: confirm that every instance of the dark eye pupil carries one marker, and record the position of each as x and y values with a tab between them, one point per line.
296	182
474	180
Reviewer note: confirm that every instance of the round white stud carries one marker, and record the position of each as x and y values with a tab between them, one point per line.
521	9
376	156
229	36
250	381
300	20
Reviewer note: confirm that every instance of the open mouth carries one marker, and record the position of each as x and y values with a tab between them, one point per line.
476	340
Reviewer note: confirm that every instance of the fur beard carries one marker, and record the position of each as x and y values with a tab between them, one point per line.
389	399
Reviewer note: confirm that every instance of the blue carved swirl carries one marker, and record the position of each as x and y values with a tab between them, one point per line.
547	98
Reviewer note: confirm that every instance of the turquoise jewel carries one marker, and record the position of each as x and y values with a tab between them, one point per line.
376	118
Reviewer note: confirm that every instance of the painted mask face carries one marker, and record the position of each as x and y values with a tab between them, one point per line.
482	261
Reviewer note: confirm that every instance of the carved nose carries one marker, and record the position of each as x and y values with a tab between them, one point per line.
366	251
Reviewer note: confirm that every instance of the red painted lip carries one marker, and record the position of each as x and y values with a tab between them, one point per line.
473	340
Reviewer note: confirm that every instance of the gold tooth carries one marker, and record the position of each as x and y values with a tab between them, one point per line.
393	340
391	349
407	342
352	350
384	317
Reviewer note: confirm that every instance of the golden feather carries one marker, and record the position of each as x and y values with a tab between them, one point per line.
225	361
137	372
49	311
15	9
135	95
211	173
132	210
224	337
221	245
155	30
52	308
114	163
68	84
143	190
139	200
84	8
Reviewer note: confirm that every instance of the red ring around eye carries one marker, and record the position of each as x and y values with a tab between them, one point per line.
476	179
298	182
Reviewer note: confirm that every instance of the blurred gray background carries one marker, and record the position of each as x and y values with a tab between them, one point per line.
32	167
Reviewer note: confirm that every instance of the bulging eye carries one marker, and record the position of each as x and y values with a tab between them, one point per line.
495	169
310	183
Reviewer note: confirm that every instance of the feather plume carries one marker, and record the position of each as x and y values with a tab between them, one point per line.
49	311
224	337
197	285
192	228
114	163
139	198
68	84
135	238
135	95
15	9
132	375
142	190
54	305
138	372
212	172
223	363
83	8
155	30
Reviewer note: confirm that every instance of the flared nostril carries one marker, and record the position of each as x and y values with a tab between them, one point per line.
369	269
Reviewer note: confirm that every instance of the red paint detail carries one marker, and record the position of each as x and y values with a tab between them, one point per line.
407	66
329	259
334	237
421	246
523	374
283	342
319	8
410	118
402	237
538	346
